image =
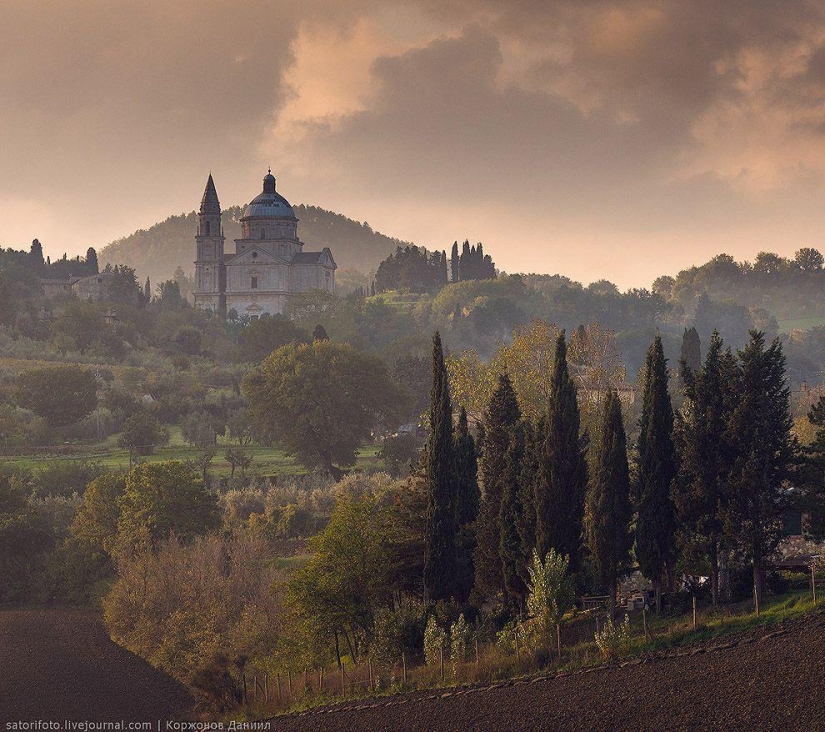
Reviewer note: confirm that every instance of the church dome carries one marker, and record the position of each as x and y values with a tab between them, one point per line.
269	204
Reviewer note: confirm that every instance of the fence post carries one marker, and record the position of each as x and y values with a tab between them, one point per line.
476	644
515	635
289	679
266	688
343	682
755	600
813	581
442	661
321	680
369	667
644	620
245	698
694	612
404	666
278	680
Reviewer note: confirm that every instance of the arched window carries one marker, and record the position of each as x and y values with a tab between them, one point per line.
208	228
263	233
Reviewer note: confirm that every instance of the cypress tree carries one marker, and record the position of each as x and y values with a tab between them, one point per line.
760	428
36	256
468	499
562	471
513	557
444	277
319	333
705	454
468	495
440	537
502	413
691	352
812	473
92	266
655	524
454	263
147	291
609	508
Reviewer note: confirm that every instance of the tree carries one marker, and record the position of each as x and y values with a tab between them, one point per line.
23	536
198	429
468	502
237	457
468	495
320	333
345	582
439	473
562	475
189	340
809	259
454	276
81	322
691	352
551	593
95	524
609	508
162	499
267	334
320	401
760	427
142	432
92	266
36	256
501	414
62	395
700	493
655	524
812	474
514	558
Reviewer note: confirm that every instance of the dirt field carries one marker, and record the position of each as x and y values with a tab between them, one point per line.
761	682
60	665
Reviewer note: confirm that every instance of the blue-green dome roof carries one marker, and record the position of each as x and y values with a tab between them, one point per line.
269	203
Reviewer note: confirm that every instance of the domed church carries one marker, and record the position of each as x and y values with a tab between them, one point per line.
269	263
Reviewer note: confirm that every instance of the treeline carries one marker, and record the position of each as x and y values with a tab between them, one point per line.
786	287
710	481
414	269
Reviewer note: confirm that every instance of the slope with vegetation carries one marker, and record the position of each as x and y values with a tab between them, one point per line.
157	251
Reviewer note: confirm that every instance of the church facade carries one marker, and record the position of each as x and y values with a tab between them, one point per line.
269	264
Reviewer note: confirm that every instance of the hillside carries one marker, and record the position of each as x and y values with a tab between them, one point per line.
156	252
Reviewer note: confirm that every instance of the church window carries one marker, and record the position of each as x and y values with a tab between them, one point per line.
254	255
263	234
208	228
254	283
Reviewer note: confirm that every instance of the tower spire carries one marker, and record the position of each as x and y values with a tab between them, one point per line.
209	202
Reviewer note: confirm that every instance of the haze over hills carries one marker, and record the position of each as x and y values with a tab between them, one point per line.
157	251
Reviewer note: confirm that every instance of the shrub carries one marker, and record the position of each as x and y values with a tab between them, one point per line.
614	639
435	639
461	635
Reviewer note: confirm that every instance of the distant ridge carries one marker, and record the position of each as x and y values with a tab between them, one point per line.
156	252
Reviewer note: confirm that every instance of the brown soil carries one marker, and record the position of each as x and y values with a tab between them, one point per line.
765	680
60	665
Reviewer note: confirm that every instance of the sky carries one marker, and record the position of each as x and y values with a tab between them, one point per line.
593	138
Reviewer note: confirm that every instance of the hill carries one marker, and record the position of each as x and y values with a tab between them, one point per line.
156	252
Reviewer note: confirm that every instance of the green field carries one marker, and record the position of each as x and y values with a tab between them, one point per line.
267	460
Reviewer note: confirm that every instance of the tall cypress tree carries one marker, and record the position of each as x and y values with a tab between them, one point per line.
609	508
655	524
454	276
501	414
440	538
705	453
468	500
468	495
562	471
691	352
511	513
760	427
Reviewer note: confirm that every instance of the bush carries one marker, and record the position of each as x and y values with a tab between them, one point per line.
435	642
614	639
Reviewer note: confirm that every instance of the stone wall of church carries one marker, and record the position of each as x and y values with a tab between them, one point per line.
255	305
305	277
268	278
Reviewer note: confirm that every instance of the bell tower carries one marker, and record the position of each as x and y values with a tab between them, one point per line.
210	272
